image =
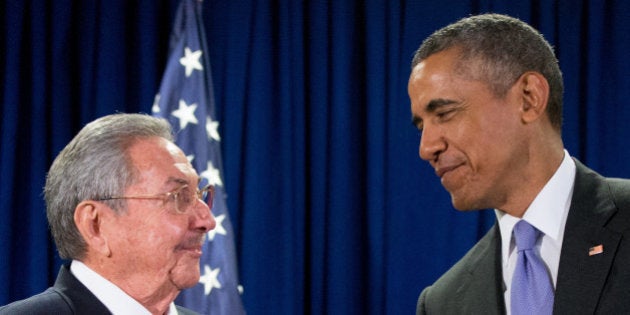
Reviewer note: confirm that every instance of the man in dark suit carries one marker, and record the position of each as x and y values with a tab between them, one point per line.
486	93
123	204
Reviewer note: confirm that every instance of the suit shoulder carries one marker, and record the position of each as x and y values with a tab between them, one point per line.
480	258
482	250
620	189
593	181
601	199
620	194
50	301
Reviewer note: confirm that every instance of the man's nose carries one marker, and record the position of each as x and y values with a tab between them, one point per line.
431	143
203	217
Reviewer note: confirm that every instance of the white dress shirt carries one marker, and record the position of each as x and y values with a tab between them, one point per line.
115	299
547	213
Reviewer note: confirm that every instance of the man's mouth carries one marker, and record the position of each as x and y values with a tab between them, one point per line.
192	245
440	171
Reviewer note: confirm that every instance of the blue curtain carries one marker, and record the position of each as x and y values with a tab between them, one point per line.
334	212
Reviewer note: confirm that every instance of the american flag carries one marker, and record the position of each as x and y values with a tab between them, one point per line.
186	100
596	250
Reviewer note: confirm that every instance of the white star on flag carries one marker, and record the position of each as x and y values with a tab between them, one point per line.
156	104
212	175
186	114
191	61
210	279
190	158
219	229
212	128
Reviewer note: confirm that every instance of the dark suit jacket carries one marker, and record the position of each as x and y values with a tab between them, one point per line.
67	296
598	284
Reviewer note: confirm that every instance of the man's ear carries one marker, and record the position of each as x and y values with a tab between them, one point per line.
88	217
534	90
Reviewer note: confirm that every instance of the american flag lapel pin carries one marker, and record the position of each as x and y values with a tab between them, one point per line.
596	250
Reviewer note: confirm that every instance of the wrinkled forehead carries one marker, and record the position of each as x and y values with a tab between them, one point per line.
160	161
436	69
445	71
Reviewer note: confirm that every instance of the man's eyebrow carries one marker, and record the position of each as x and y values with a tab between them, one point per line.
182	181
435	104
431	107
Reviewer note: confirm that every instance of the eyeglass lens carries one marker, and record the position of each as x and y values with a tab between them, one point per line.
185	198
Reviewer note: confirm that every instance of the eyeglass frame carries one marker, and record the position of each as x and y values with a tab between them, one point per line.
205	194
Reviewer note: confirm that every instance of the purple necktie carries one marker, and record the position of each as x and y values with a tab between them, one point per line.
532	292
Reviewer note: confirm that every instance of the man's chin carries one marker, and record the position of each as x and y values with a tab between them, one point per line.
462	204
187	282
186	276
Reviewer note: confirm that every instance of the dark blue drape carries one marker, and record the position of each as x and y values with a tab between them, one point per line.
333	210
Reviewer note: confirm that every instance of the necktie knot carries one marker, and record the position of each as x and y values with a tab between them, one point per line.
525	235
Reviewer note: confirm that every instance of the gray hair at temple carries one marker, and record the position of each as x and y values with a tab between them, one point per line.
498	49
95	164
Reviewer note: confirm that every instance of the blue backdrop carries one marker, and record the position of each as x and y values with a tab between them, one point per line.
334	212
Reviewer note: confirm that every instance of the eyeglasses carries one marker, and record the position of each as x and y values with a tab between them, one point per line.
183	197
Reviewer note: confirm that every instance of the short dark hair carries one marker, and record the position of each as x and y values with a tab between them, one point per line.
504	48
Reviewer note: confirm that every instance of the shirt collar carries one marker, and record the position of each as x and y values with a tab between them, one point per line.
548	211
114	298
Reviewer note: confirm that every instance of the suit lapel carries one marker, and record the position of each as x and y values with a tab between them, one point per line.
482	291
78	296
581	276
